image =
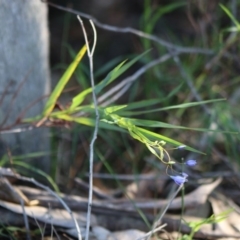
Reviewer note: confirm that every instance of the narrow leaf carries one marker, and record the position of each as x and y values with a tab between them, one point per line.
166	139
62	82
183	105
77	100
90	122
113	75
150	123
116	72
230	15
112	109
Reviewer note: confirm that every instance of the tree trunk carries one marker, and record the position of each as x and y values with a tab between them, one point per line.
24	59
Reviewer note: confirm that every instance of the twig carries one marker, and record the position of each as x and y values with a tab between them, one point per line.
90	57
56	196
14	98
6	91
96	191
17	130
55	231
129	81
30	105
153	231
128	177
139	33
40	228
28	237
165	210
150	177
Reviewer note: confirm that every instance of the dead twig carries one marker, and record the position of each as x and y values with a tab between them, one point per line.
17	130
126	84
14	98
6	91
164	211
173	47
65	206
90	57
153	231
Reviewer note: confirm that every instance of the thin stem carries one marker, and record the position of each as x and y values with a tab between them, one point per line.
28	236
56	196
165	210
153	231
124	85
91	155
162	42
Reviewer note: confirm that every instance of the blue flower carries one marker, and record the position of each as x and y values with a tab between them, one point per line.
191	163
185	175
180	179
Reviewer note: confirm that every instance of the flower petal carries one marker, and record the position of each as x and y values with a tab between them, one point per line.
191	163
179	179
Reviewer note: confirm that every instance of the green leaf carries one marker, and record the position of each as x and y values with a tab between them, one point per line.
231	29
191	104
112	109
108	66
166	139
77	100
90	122
62	82
230	15
175	90
15	229
161	11
81	109
183	105
116	72
150	123
38	171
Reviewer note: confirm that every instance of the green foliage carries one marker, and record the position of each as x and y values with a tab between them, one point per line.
152	15
15	233
153	141
166	98
141	134
195	226
234	20
164	102
62	83
115	117
18	161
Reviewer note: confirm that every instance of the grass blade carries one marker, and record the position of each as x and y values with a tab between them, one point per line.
62	82
183	105
116	72
166	139
158	124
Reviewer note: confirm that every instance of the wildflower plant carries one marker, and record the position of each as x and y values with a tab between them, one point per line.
115	117
156	147
110	117
120	118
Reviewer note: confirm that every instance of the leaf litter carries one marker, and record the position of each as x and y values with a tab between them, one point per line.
119	218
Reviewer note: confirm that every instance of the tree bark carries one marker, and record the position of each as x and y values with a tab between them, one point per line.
24	59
